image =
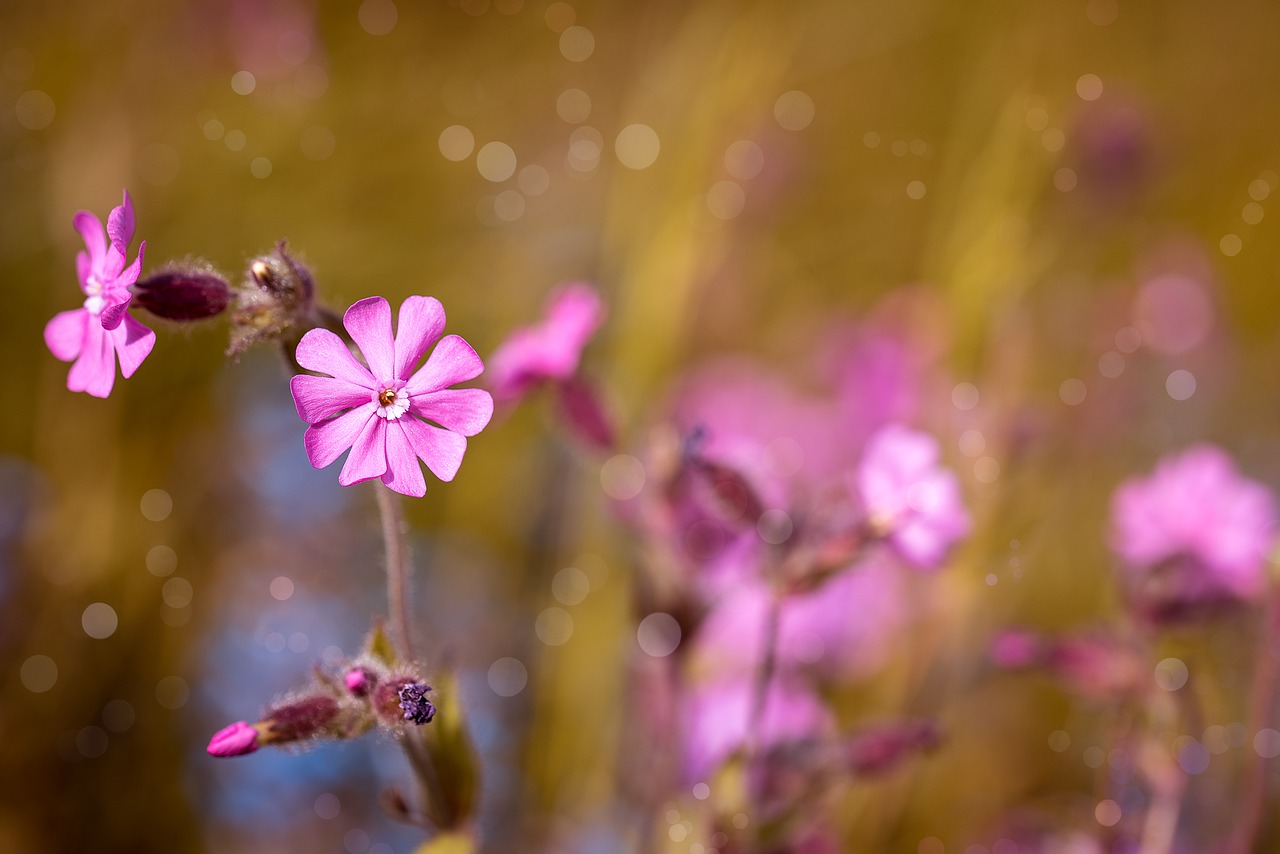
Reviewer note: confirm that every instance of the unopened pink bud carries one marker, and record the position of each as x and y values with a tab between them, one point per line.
236	740
359	681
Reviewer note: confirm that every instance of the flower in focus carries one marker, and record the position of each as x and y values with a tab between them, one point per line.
549	350
94	335
909	499
1194	531
387	413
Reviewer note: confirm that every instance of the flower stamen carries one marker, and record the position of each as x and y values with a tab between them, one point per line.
392	403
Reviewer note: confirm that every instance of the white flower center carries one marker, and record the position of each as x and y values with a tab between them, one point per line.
392	403
95	304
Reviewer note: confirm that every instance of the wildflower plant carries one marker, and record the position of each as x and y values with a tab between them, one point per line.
787	540
367	396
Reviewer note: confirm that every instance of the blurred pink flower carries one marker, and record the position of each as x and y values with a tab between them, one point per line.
94	335
381	412
1195	530
909	499
815	633
750	417
548	351
716	720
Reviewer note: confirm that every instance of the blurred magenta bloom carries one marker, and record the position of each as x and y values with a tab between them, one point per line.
815	632
381	412
94	335
550	350
236	740
909	499
716	720
1195	530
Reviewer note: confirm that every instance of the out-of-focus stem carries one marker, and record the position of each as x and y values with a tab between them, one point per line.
397	569
768	663
1162	817
1168	780
1261	711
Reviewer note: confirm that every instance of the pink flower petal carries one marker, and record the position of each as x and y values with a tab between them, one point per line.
441	450
324	352
318	398
95	369
464	410
404	472
326	441
420	325
120	225
65	333
453	361
130	275
369	322
111	265
132	342
114	313
368	457
90	228
84	269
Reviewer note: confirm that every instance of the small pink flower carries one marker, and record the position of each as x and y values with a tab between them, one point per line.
1199	522
909	499
91	337
236	740
382	412
548	351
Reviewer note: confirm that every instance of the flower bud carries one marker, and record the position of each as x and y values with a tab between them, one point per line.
236	740
879	749
274	302
183	293
360	680
303	718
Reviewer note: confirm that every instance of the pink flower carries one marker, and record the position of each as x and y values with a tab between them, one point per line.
716	720
91	337
551	349
909	499
1196	523
815	632
236	740
381	412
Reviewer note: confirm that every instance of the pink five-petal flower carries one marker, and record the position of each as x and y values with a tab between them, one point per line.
1196	517
909	499
94	336
381	412
551	349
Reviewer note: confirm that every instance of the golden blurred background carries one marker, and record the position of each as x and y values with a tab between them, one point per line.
735	176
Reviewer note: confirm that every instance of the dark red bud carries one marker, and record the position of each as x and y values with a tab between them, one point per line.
183	294
302	718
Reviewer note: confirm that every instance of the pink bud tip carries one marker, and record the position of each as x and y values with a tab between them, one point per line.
235	740
358	681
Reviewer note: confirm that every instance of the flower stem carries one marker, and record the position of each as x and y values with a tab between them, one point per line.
397	569
768	663
1261	711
